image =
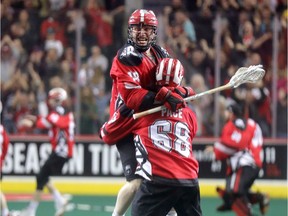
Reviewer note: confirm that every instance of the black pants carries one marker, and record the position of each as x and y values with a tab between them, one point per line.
241	181
52	166
154	199
126	149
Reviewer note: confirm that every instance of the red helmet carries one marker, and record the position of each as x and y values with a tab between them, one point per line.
169	72
142	17
145	17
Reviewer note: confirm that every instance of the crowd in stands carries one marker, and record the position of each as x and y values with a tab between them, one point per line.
38	40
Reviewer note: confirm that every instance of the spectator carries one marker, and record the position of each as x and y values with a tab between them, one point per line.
102	102
52	43
100	28
263	34
67	75
98	60
182	18
282	58
202	106
54	25
89	118
8	63
36	59
116	12
24	103
69	56
199	62
51	66
170	11
177	39
7	16
28	38
259	101
282	109
74	18
245	42
203	20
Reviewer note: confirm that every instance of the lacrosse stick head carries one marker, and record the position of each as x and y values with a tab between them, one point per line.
251	74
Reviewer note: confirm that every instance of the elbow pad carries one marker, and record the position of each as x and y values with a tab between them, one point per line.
148	101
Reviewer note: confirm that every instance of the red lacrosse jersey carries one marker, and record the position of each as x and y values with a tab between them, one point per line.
163	143
61	131
241	146
4	143
133	74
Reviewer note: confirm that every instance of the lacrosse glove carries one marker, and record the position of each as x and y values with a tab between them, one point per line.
170	99
184	91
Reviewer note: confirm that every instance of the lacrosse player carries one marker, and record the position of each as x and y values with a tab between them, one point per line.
133	75
163	143
4	144
241	146
60	123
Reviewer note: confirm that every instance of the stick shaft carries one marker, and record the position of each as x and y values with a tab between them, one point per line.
211	91
194	97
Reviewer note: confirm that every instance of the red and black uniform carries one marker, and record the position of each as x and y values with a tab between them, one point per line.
61	127
241	145
4	144
133	75
163	143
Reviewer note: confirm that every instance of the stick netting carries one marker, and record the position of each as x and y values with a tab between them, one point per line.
251	74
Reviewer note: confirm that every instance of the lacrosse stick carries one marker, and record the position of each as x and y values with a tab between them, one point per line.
251	74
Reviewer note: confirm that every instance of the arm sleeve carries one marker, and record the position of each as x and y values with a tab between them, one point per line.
43	123
119	125
222	151
5	145
70	130
256	146
61	121
129	86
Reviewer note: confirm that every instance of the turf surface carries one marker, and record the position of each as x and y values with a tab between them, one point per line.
103	206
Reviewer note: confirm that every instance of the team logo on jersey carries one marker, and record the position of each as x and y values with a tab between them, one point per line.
164	51
127	51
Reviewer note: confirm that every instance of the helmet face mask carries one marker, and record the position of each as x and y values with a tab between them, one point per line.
142	29
169	72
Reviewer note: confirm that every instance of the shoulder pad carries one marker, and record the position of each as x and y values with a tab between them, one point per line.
240	123
129	56
161	52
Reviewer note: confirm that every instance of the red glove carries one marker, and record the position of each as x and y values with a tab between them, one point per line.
184	91
171	100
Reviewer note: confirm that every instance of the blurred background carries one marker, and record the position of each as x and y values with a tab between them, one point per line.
71	44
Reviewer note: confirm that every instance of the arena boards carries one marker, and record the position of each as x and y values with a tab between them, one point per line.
96	168
110	186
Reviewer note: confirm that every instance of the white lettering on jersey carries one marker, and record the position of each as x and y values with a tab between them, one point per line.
169	113
130	86
134	75
236	136
128	51
160	133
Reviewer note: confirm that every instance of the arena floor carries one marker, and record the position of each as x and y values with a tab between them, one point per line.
89	205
